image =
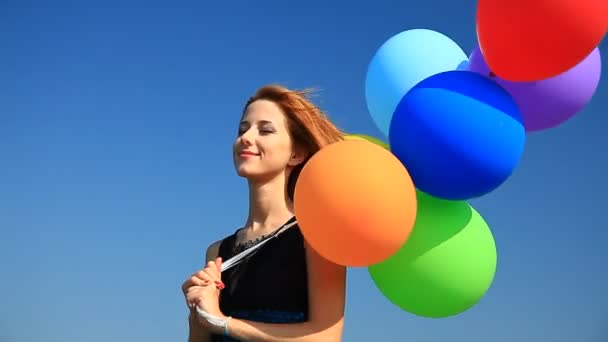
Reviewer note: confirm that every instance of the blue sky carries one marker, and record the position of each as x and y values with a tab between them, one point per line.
116	124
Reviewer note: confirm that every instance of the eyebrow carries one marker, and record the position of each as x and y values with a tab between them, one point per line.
263	122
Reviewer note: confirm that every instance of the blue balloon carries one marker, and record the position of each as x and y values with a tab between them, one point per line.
402	62
459	134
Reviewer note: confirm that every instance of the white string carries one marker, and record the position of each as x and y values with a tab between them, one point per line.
213	320
235	260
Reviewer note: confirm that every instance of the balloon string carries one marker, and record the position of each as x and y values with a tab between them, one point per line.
235	260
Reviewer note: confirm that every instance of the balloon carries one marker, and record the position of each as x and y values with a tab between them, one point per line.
459	134
446	266
368	138
463	65
548	103
525	40
355	203
400	63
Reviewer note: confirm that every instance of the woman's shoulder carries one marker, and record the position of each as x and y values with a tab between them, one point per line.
214	250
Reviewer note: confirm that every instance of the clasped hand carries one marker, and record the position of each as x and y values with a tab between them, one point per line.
202	290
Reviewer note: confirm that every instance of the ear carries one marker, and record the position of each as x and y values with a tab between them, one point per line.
297	157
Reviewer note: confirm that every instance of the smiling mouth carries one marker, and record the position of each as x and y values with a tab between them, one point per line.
247	154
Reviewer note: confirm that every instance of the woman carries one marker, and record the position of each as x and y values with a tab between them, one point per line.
284	291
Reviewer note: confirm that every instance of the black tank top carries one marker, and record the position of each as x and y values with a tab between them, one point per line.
271	285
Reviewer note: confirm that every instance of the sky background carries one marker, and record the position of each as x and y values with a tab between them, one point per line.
116	125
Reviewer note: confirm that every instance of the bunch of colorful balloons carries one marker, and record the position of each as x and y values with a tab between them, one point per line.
456	127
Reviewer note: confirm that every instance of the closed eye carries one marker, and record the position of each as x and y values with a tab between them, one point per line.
264	126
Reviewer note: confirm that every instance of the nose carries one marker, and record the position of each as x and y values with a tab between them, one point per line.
247	137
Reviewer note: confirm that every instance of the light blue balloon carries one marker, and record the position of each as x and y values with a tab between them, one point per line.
463	65
402	62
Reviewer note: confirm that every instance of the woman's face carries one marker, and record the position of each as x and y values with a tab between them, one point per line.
263	147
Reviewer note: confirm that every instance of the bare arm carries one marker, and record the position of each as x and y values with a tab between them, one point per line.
327	294
196	331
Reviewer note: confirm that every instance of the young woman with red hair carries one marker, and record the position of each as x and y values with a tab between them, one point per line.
284	291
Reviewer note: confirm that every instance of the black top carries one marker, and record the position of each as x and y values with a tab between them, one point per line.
270	285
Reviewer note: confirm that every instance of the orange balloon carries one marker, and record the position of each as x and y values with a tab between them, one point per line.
355	203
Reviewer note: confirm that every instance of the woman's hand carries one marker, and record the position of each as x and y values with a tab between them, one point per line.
197	279
205	296
202	279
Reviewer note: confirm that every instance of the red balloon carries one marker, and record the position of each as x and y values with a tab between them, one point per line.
531	40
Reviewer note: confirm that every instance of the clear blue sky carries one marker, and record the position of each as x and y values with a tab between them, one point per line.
116	124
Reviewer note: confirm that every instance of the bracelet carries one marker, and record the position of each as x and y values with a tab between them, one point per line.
214	320
226	326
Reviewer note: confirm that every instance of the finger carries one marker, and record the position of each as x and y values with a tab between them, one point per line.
193	296
202	275
212	269
212	274
197	280
195	292
192	300
215	276
218	263
193	281
216	279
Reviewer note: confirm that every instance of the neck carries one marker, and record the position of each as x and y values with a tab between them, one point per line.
269	205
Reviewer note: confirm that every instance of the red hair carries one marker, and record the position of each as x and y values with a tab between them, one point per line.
309	127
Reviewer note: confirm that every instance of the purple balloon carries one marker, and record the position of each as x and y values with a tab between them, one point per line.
548	103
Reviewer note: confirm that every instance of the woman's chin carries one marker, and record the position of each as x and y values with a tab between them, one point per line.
246	173
254	176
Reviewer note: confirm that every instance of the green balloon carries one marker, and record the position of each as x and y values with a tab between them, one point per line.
368	138
447	264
